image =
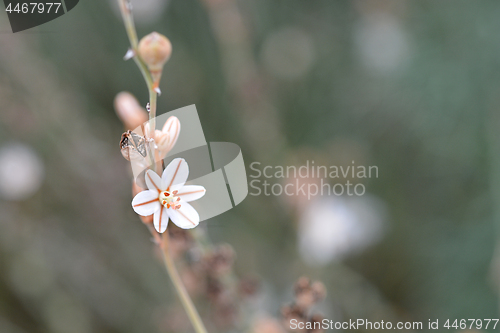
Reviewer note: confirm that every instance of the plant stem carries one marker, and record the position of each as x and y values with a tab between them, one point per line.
128	20
153	232
156	167
126	10
152	110
193	315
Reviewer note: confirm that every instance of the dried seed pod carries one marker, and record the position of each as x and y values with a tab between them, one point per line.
305	299
289	312
221	260
308	293
249	286
319	291
315	321
225	313
267	325
302	284
215	288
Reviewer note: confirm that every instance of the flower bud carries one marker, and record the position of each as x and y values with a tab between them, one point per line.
167	137
129	111
155	50
162	140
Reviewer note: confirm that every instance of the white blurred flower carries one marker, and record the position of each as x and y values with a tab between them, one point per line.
21	172
381	42
168	197
333	227
288	53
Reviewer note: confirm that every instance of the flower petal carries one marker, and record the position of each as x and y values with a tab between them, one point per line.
145	203
185	217
161	220
173	128
191	192
153	181
175	174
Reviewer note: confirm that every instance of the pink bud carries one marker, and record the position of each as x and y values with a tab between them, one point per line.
155	50
129	111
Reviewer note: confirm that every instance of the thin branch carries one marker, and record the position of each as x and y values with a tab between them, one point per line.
179	286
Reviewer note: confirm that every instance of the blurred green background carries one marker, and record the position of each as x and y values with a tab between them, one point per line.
409	86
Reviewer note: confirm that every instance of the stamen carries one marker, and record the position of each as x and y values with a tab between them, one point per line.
169	200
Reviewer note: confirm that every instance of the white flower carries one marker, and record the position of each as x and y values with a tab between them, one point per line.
382	43
168	197
21	172
331	228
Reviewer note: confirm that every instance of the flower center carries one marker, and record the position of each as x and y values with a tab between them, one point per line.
169	200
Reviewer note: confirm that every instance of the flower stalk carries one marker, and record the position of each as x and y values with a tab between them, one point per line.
152	124
128	20
153	89
187	303
191	311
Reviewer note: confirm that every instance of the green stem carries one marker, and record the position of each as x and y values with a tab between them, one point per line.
152	128
193	315
126	10
128	20
144	70
152	110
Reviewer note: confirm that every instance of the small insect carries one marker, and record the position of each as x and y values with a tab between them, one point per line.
133	146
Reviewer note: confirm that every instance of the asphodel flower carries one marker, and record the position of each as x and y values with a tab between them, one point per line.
168	198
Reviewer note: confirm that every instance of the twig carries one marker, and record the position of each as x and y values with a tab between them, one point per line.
179	286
